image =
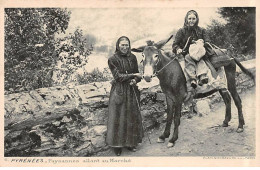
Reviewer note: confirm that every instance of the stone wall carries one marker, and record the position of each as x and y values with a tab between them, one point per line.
71	121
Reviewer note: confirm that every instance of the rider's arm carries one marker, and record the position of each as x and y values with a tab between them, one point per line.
177	41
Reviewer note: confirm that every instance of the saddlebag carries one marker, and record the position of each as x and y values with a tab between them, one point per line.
217	57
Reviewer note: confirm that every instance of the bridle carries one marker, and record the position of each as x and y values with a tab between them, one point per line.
159	59
159	52
156	72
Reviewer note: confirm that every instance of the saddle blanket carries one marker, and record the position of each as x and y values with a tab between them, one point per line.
218	83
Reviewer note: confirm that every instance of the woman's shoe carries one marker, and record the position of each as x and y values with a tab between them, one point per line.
203	80
133	149
193	84
118	151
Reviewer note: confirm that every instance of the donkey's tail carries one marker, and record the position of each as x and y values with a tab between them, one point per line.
246	71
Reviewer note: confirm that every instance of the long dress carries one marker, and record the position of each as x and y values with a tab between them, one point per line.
124	127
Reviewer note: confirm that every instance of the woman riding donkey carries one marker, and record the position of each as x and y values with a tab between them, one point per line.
186	36
173	82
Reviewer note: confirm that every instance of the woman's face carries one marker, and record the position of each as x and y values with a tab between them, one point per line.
124	46
192	19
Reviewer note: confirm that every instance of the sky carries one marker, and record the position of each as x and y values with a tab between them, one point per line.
108	24
139	24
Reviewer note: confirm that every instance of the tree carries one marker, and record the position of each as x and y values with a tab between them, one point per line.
30	46
219	34
72	51
241	24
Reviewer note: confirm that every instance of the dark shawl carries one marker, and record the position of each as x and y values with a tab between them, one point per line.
182	35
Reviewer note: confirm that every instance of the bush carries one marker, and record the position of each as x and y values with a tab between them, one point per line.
73	52
95	76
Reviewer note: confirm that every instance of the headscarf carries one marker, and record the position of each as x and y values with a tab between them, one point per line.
186	18
118	49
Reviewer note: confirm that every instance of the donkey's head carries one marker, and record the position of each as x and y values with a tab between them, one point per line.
151	57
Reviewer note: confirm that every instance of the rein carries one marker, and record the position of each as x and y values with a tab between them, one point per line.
157	72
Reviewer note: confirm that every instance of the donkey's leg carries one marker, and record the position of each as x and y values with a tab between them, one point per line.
227	100
177	117
167	129
190	105
230	73
238	103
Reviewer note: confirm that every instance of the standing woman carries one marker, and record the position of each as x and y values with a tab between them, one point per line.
186	35
124	127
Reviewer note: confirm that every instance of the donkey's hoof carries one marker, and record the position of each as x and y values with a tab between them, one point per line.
239	130
159	140
225	124
170	145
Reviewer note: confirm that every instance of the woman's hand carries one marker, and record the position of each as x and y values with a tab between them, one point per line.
179	51
132	82
138	75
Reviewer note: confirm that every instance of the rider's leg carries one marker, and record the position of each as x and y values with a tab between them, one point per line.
202	71
190	69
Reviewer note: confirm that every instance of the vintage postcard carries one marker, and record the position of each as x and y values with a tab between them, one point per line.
120	83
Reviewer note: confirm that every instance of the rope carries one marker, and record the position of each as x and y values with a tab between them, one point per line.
157	72
184	48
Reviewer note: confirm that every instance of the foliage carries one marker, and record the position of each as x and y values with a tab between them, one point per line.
238	33
95	76
221	36
242	22
73	51
34	58
30	46
78	42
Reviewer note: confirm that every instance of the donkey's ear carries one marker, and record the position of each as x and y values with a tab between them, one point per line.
138	50
161	43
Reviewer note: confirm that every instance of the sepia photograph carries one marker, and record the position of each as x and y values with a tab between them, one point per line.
107	85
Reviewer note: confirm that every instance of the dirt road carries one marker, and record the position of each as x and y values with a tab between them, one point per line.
203	136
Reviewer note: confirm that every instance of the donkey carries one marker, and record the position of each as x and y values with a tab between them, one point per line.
173	84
